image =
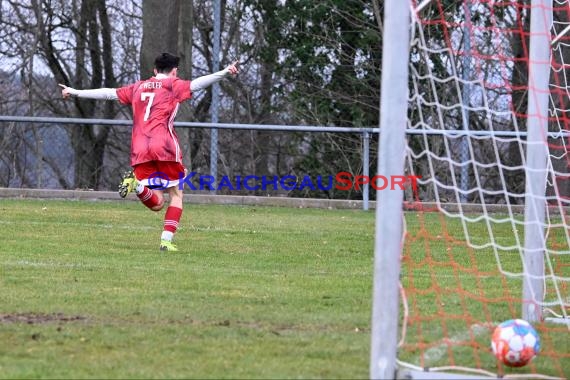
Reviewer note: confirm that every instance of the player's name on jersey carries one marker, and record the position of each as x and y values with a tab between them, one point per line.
148	85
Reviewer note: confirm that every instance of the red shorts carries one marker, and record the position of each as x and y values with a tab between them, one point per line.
160	174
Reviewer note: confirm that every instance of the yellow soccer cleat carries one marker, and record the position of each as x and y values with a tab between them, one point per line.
166	245
128	184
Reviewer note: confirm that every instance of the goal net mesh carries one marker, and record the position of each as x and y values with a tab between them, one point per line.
462	261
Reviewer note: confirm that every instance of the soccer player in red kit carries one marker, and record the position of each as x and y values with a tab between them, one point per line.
156	157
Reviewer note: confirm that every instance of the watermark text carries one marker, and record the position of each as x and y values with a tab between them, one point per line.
342	181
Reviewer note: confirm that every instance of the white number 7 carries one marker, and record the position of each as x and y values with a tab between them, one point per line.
145	96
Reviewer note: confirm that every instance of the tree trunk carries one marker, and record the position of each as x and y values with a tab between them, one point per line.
160	32
88	140
173	36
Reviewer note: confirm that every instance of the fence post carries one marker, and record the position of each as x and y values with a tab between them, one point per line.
215	95
365	168
466	75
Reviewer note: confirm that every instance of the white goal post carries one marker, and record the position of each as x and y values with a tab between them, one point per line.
388	231
536	160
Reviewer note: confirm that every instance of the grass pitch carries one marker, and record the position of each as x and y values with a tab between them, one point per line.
255	292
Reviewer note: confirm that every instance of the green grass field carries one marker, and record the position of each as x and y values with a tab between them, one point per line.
255	292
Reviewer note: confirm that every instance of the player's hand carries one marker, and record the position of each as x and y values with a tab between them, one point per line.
65	91
233	68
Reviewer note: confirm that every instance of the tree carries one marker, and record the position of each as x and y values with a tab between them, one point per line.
332	59
159	32
505	39
77	43
303	62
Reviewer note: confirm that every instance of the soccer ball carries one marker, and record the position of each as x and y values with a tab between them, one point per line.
515	342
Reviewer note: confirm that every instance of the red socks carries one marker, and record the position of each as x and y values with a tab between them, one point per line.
148	197
171	218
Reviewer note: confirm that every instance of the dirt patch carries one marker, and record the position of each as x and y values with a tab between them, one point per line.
38	318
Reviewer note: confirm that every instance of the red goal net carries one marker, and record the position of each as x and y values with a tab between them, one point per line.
470	228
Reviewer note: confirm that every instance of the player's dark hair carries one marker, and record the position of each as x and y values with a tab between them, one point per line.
166	62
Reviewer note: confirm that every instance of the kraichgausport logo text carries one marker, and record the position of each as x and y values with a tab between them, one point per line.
343	181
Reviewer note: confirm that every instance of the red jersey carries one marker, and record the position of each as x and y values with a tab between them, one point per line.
155	102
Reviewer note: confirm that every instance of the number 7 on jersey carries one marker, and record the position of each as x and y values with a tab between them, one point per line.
144	97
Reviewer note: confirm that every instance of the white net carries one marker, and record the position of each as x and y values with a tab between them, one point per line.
463	266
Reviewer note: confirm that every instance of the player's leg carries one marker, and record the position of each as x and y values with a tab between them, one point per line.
174	210
148	186
171	218
151	198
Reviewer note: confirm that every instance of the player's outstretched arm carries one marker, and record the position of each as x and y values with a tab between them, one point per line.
206	81
97	93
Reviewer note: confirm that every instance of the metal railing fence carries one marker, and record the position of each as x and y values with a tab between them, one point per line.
366	134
